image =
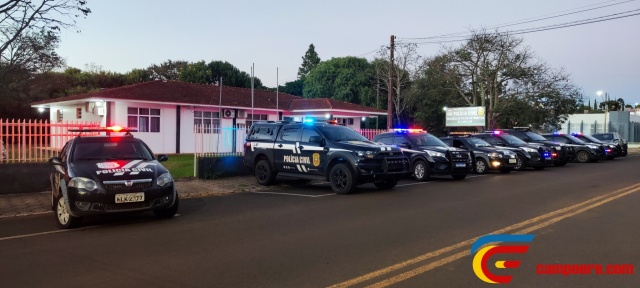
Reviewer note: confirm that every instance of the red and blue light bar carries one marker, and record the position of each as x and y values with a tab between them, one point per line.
404	130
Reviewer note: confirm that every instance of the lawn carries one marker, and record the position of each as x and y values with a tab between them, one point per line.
180	165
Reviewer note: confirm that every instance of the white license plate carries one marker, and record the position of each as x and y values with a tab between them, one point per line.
461	165
130	197
513	161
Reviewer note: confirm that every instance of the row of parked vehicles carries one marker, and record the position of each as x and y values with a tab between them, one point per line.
343	157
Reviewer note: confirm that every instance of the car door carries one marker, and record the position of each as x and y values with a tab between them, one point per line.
287	154
312	154
59	171
401	142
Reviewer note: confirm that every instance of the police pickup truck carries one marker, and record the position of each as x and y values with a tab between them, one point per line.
321	151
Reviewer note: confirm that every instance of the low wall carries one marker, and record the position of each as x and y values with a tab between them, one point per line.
24	178
216	167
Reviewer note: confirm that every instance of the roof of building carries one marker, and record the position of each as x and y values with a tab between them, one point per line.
327	103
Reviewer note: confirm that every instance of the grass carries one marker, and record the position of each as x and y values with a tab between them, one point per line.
180	165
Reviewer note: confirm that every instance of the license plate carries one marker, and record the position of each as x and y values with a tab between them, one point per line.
130	197
513	161
461	165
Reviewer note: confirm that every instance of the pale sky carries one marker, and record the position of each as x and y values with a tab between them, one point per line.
121	35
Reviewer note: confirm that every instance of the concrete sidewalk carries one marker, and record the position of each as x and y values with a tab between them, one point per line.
39	203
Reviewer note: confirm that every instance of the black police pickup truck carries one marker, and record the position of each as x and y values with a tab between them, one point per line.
446	160
485	156
584	152
106	174
321	150
529	155
560	154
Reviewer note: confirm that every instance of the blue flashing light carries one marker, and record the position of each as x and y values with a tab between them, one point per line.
308	120
404	130
546	155
497	132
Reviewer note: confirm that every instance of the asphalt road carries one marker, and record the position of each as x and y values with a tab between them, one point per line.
416	235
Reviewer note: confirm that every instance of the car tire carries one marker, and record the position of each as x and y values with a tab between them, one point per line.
459	176
521	164
64	219
582	156
387	184
169	211
505	170
480	166
420	171
341	179
264	173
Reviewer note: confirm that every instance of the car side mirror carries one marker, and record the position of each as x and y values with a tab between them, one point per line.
55	161
162	158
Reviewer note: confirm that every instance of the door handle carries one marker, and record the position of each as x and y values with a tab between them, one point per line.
280	145
301	147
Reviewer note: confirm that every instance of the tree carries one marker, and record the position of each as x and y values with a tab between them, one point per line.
595	104
612	105
137	76
406	61
500	73
19	17
231	75
346	79
167	70
309	61
293	87
197	72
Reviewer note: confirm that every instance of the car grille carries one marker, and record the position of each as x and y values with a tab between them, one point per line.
122	186
459	156
396	164
126	206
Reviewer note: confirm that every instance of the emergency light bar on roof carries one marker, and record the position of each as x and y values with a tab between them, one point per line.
403	130
116	129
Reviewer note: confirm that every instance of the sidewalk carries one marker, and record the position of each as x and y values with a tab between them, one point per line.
39	203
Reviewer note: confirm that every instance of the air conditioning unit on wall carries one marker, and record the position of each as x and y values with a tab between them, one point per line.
228	113
242	114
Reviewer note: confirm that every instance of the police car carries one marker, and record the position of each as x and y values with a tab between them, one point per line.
584	152
611	150
108	174
560	154
321	151
529	155
446	160
485	156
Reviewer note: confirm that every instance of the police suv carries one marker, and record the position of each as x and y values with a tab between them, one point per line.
106	174
485	156
321	151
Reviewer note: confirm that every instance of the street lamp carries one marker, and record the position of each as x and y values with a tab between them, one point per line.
606	107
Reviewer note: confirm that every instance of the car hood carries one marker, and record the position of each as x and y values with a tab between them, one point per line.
117	169
366	146
442	149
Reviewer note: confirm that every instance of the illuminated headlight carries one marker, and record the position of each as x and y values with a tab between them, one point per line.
592	146
530	150
365	154
164	179
83	183
495	155
434	153
612	146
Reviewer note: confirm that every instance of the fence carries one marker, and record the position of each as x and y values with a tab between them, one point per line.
36	140
370	133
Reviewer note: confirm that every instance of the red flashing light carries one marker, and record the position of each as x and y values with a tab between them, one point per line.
497	132
413	130
554	155
115	128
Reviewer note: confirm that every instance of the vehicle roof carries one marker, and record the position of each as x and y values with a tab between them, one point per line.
103	138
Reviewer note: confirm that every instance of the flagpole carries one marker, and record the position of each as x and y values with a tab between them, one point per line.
277	99
219	114
252	71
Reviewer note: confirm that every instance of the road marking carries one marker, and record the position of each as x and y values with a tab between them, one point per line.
43	233
25	214
431	181
583	206
293	194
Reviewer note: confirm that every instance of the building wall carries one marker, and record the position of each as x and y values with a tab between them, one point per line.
160	142
69	113
617	121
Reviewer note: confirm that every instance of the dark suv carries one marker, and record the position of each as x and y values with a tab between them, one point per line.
321	151
584	152
560	153
611	150
485	156
446	160
613	137
529	155
107	174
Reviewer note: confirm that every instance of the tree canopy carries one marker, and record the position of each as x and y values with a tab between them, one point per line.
347	79
309	61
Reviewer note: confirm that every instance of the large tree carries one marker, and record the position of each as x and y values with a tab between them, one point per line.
309	61
293	87
167	70
231	75
347	79
197	72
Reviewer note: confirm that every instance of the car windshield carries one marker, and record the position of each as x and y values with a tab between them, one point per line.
341	133
477	142
426	140
112	150
513	140
535	136
576	140
590	138
606	137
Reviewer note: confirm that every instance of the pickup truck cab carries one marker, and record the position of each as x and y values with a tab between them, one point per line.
321	151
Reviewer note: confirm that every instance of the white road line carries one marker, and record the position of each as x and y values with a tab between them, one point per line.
26	214
42	233
420	183
293	194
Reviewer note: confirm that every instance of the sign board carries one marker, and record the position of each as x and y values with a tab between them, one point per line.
465	116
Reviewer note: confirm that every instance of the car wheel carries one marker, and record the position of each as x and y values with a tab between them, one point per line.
168	212
582	156
480	166
459	176
341	179
505	170
263	172
520	164
420	171
388	184
64	219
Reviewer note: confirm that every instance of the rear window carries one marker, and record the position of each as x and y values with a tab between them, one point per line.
111	150
604	136
263	133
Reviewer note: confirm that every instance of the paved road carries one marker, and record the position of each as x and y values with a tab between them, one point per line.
417	235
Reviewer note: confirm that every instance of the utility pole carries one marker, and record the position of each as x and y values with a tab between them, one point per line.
390	104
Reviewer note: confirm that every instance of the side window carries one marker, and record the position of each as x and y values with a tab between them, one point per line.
491	140
560	140
447	141
290	134
399	140
64	152
307	133
262	133
459	144
386	140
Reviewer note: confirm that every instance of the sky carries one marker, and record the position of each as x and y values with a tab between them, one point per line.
120	35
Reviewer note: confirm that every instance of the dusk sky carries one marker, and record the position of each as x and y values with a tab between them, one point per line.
121	35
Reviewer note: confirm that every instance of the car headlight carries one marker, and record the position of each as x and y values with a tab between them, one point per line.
365	154
495	155
83	183
612	146
592	146
530	150
434	153
164	179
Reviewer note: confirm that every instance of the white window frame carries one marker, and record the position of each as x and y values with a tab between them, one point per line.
148	115
207	121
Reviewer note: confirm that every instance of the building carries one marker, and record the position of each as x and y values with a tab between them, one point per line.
627	123
166	113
